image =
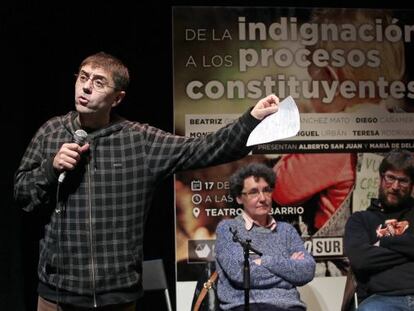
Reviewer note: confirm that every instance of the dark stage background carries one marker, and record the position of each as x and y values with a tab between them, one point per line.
43	44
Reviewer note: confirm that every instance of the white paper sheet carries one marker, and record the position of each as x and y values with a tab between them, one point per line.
282	124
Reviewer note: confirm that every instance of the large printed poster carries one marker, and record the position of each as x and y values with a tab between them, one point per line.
350	74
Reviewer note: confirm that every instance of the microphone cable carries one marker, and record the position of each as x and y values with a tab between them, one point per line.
79	137
59	211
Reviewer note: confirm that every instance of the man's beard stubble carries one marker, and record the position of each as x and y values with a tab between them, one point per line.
401	201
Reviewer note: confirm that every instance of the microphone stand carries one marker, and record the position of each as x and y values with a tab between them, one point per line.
246	266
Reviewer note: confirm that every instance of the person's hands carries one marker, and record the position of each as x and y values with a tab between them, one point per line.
258	261
400	227
68	156
392	227
297	256
265	106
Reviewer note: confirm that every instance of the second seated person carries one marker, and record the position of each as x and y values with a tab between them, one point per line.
284	263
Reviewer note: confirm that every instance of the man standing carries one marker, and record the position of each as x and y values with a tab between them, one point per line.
379	242
96	190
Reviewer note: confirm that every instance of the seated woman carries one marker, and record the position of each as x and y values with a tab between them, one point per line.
278	262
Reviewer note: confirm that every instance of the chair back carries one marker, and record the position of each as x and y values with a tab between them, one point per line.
153	278
350	298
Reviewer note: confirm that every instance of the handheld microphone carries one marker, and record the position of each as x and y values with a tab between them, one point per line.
79	138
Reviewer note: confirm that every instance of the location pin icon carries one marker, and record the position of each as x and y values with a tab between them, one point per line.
196	212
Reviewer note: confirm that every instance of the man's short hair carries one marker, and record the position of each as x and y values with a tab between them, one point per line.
398	160
111	64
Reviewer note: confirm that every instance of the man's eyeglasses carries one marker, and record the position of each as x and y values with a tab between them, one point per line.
391	179
99	83
255	193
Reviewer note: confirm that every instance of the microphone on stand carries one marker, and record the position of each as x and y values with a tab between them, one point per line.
246	265
234	232
245	244
79	138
